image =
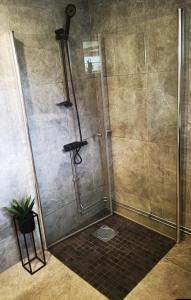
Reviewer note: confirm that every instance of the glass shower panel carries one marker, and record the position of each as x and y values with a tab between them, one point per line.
141	65
91	177
186	128
72	196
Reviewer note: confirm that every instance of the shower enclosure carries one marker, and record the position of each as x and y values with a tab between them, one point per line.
72	192
147	51
132	76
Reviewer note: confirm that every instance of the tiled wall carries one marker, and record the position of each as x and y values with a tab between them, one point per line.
141	62
34	23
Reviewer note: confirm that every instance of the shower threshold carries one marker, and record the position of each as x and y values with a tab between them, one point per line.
114	267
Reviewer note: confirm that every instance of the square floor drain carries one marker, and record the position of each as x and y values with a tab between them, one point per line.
105	233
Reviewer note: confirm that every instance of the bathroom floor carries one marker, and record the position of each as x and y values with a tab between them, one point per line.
117	266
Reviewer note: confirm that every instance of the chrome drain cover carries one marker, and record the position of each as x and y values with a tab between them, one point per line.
105	233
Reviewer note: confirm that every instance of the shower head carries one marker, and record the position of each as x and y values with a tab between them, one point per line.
70	10
63	34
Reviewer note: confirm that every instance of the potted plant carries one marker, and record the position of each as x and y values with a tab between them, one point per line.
22	211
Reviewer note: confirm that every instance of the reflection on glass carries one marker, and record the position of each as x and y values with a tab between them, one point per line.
92	59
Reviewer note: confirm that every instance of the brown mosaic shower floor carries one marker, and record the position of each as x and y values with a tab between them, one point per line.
116	267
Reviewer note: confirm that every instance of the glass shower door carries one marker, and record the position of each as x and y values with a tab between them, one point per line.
185	110
72	196
91	178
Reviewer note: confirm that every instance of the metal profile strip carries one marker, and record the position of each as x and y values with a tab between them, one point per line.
153	217
179	117
106	130
80	230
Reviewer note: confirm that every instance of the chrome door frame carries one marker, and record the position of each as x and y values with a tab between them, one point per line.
180	87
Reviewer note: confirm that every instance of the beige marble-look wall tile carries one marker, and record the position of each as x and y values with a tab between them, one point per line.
155	8
130	54
127	24
162	44
162	163
103	15
40	66
125	53
34	3
162	129
166	83
162	118
162	180
132	9
110	53
130	167
128	108
31	20
37	40
130	153
163	200
133	191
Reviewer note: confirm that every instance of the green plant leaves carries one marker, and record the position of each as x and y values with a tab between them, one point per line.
21	208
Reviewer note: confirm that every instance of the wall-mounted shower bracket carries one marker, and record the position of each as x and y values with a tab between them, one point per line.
64	103
105	199
60	34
